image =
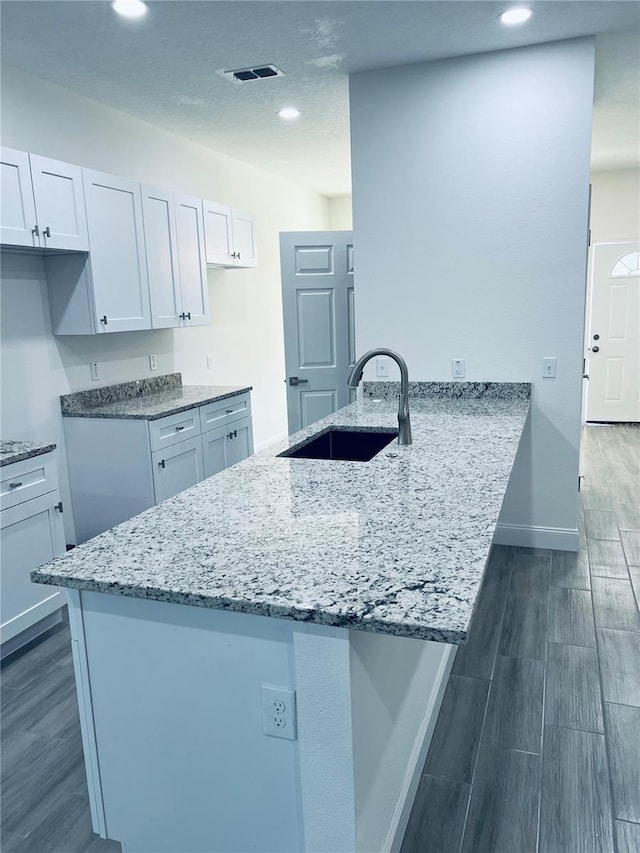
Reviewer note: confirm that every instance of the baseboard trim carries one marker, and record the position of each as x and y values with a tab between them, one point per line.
529	536
415	765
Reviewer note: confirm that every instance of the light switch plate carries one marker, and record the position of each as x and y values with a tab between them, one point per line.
549	367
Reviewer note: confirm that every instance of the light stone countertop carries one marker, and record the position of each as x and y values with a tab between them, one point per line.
149	406
396	545
16	451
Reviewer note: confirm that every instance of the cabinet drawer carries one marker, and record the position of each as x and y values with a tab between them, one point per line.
21	481
223	412
174	428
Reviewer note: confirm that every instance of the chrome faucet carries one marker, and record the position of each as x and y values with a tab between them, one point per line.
404	422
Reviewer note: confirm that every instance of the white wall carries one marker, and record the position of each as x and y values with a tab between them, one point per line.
340	218
245	333
470	187
615	205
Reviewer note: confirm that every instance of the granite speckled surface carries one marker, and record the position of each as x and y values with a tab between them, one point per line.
396	545
451	390
16	451
144	399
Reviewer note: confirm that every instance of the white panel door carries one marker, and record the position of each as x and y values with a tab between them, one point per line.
60	208
192	262
161	247
18	223
32	534
118	262
244	239
218	233
317	297
614	346
177	468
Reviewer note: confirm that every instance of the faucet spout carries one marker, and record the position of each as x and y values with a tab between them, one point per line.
404	421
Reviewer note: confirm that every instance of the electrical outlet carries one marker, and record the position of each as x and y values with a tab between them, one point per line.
209	361
549	367
279	712
153	364
95	374
457	368
382	367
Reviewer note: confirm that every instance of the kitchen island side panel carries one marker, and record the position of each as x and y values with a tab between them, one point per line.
176	697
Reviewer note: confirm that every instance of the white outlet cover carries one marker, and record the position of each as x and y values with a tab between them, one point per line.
279	712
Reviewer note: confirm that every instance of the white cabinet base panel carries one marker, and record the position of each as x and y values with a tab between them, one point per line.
170	700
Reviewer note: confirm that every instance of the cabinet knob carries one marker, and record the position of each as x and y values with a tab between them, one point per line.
47	232
104	320
35	231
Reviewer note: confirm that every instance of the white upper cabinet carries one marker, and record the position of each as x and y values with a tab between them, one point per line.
192	261
18	224
42	203
218	233
117	252
161	245
244	239
229	236
60	209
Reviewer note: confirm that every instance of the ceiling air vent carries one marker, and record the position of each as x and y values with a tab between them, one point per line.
260	72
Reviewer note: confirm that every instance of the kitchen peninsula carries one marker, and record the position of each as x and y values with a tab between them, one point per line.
349	583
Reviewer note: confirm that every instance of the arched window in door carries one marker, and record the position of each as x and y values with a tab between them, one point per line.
626	265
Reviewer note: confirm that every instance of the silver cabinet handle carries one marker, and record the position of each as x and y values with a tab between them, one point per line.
14	485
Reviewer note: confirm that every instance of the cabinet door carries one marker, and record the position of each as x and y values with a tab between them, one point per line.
18	224
214	447
161	248
218	234
244	239
192	262
32	534
177	468
239	442
118	262
62	218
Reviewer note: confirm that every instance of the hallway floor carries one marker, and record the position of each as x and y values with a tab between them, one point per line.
537	746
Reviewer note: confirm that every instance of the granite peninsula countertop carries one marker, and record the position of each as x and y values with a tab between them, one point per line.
144	399
16	451
396	545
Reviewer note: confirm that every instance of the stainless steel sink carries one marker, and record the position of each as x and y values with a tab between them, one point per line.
342	443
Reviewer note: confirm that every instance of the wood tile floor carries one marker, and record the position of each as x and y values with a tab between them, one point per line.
537	746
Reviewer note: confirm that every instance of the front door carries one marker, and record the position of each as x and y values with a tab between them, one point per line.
318	309
614	340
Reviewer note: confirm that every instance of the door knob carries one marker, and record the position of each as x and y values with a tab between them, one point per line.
293	380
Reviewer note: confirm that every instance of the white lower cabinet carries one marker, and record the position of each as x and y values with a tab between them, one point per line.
177	468
31	534
120	467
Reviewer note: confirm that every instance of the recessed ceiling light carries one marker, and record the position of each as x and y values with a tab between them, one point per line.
130	8
516	16
288	113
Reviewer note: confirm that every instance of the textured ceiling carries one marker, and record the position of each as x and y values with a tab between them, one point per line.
166	68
